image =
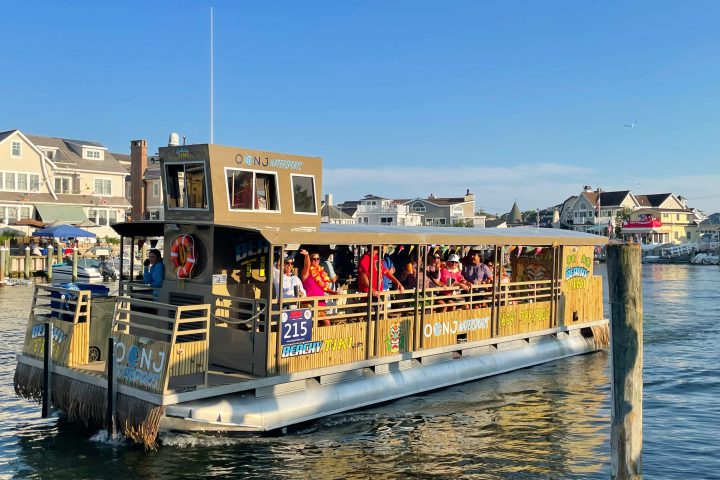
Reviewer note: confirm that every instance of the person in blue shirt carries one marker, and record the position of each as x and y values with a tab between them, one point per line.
154	272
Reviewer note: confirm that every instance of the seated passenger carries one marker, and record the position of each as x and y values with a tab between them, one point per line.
367	267
433	269
451	276
477	272
290	281
316	281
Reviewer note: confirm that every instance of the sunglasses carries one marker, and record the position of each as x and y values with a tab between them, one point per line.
314	258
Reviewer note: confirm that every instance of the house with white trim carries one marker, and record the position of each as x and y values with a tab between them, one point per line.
56	180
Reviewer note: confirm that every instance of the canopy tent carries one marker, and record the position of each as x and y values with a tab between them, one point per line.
63	231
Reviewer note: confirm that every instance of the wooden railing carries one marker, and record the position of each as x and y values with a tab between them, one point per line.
161	346
136	289
69	312
360	326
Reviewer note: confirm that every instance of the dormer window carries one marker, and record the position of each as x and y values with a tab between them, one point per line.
418	207
16	149
93	154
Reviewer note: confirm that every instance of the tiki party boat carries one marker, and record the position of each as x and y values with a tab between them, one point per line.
218	347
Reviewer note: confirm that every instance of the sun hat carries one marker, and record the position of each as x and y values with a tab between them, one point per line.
453	258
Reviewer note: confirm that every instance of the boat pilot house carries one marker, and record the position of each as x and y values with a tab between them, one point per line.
264	317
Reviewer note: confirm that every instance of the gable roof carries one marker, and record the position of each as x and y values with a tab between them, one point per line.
653	200
333	212
4	135
67	158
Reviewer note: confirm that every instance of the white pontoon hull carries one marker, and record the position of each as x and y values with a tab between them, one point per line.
319	396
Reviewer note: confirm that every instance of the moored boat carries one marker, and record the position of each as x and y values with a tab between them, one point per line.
215	347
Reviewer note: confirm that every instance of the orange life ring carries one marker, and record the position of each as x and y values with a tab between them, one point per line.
182	254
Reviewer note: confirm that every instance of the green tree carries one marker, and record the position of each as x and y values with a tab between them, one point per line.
621	216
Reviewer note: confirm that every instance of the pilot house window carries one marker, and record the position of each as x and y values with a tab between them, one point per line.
186	187
250	190
303	189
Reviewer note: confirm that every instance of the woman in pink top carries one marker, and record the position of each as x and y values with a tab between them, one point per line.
452	277
316	281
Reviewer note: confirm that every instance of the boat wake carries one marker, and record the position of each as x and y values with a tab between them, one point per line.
117	440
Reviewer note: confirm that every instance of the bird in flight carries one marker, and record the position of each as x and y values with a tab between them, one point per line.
631	125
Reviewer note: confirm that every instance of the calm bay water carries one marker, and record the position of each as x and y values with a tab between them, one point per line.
550	421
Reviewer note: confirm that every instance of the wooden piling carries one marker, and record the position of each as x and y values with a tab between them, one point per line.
3	253
49	263
625	287
47	371
74	265
110	414
27	262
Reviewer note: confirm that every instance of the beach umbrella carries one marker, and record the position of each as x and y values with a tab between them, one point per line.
64	231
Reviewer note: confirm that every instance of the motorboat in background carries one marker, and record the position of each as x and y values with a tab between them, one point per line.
89	270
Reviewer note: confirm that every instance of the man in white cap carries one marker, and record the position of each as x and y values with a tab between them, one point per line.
290	280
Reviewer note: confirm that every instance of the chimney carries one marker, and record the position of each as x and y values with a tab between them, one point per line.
138	165
328	199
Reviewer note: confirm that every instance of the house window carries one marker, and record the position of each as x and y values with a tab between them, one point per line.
34	183
9	181
185	185
63	184
418	207
688	235
303	192
677	216
22	182
251	190
156	189
25	212
386	220
154	215
103	186
16	149
50	154
677	235
93	154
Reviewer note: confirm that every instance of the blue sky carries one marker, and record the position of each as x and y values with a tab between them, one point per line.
515	100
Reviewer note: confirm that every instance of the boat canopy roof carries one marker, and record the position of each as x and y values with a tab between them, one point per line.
331	234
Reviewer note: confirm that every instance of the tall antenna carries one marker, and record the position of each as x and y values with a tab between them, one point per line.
211	74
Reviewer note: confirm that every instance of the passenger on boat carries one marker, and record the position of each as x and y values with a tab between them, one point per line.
477	272
433	269
316	281
451	276
390	266
367	268
290	281
154	273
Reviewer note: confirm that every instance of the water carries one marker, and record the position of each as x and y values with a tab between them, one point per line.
550	421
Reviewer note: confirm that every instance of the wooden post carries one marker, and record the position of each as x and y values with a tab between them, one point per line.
50	262
74	265
3	252
8	263
625	285
110	414
47	371
60	253
27	262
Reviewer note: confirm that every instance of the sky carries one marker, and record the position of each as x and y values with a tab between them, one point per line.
516	101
